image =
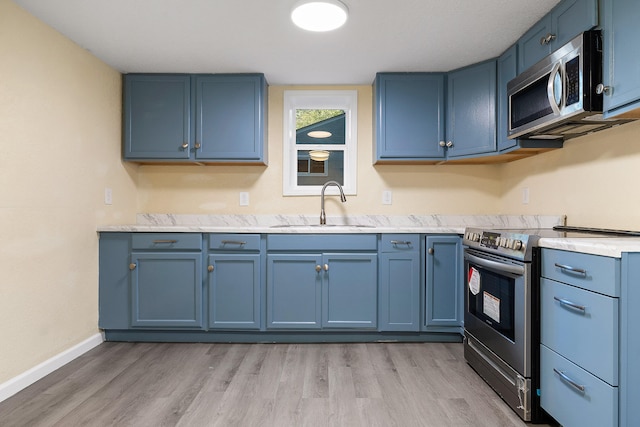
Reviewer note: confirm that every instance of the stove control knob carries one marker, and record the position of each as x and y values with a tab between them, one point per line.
517	245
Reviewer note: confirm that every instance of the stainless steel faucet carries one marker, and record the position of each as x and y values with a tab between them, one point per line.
323	217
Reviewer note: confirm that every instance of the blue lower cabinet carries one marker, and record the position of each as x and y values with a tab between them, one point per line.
233	284
166	290
293	291
349	291
444	286
399	283
314	291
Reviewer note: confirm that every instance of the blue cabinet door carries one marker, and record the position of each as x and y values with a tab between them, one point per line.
471	110
157	117
399	300
114	291
621	69
507	70
349	291
564	22
409	116
294	286
234	291
166	290
444	285
230	117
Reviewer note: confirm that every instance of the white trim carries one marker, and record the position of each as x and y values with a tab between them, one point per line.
24	380
346	100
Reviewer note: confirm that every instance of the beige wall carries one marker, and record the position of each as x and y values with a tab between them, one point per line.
593	180
416	189
59	149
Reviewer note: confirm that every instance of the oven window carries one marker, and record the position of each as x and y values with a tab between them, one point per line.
492	299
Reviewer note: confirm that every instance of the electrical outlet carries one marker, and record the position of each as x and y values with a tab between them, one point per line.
244	198
108	196
387	197
525	196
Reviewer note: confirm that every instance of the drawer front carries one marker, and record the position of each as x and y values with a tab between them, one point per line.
593	272
322	242
166	241
582	326
234	242
399	242
597	405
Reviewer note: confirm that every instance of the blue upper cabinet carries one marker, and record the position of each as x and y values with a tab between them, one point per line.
568	19
507	70
621	69
230	122
471	110
157	117
216	118
409	117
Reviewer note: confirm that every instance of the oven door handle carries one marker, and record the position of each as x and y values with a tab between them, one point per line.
495	265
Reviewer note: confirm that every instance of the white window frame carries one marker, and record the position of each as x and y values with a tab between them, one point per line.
346	100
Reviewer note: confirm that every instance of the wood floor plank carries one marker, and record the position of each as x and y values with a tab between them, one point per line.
270	385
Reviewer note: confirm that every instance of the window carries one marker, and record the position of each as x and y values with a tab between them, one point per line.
320	140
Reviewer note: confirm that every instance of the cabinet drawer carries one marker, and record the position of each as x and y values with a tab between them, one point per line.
399	242
596	405
166	241
234	242
593	272
586	333
322	242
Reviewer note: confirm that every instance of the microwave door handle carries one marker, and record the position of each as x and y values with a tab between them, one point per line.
551	94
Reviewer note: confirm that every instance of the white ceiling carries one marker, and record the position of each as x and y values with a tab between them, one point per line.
218	36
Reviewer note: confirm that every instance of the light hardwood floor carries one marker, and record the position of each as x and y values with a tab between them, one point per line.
373	384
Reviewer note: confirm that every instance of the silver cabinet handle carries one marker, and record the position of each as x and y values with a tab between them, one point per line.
569	381
326	267
442	144
449	144
600	89
571	269
210	268
161	241
431	251
197	145
547	39
400	242
132	266
570	304
234	242
185	145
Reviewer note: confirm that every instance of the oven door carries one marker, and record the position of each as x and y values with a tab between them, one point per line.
497	307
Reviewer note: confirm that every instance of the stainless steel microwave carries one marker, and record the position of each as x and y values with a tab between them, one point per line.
560	97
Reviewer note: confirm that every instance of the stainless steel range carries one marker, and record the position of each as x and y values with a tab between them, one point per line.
501	313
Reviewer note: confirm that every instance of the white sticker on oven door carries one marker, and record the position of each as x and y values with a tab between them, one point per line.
474	281
491	306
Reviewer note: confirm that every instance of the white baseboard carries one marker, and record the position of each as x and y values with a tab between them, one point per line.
24	380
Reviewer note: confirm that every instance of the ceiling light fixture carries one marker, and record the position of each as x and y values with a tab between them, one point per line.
324	15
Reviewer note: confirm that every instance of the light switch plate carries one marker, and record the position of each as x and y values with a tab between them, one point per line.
108	196
387	197
244	198
525	196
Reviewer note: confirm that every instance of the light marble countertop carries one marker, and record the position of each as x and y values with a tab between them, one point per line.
605	246
302	224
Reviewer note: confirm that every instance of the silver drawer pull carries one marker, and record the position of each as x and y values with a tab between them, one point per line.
157	242
573	305
234	242
400	242
571	269
569	381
